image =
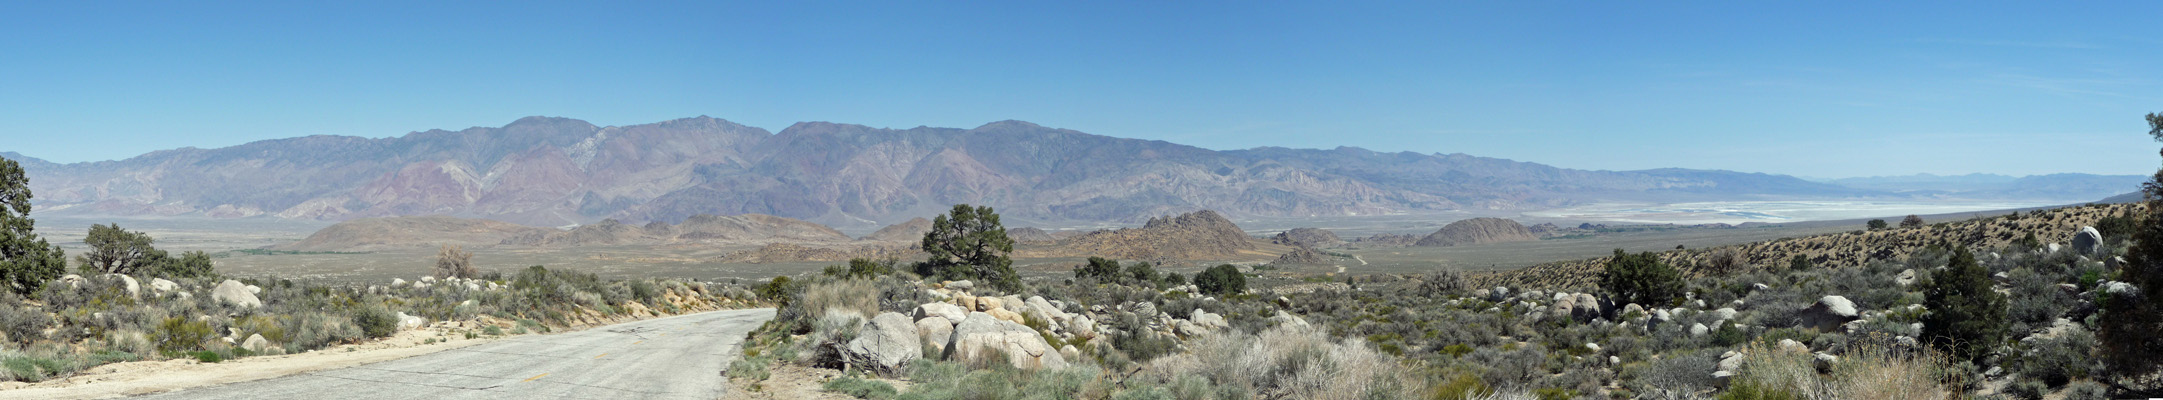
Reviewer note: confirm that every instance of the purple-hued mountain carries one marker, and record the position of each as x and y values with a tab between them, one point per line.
557	171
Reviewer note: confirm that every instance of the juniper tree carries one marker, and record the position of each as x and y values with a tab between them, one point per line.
26	261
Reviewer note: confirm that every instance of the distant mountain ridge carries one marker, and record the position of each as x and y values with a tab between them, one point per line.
556	171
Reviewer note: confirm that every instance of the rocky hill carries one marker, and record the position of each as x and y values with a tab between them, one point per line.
748	228
1841	250
911	231
1198	235
373	234
556	171
1477	231
1311	237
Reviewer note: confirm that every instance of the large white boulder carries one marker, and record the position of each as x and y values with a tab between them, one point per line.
160	285
2087	241
128	283
981	333
232	291
1829	314
885	344
935	331
952	313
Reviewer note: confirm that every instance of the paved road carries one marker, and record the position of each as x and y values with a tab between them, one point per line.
680	357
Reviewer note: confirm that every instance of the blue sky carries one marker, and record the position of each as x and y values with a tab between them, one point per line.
1816	90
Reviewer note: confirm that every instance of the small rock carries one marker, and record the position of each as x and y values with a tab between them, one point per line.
1724	313
1592	346
2116	287
1759	286
252	289
1906	278
72	280
398	282
256	343
1498	294
960	285
410	322
1699	330
1792	345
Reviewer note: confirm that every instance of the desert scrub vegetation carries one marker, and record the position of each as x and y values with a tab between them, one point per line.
1914	322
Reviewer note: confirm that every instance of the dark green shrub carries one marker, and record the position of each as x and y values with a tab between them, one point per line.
2027	390
376	322
182	334
1800	263
1967	317
1141	272
776	290
1221	280
2057	361
1641	279
1098	268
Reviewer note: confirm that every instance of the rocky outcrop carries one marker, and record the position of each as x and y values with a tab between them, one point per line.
911	231
978	335
1199	235
885	345
1478	231
1388	240
1310	237
235	293
1303	255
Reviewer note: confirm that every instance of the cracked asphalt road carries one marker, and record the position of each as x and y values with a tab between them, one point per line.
678	357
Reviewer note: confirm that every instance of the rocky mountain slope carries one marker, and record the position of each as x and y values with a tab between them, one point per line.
698	228
373	234
1310	237
557	171
1477	231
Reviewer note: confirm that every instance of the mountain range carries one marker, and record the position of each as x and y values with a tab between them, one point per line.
556	171
2066	187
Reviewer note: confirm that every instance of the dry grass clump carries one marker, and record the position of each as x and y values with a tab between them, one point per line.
1287	362
1865	372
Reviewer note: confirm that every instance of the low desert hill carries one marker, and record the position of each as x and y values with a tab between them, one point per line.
1840	250
1478	231
1197	235
910	231
372	234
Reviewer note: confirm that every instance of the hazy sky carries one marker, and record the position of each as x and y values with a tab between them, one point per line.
1816	89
